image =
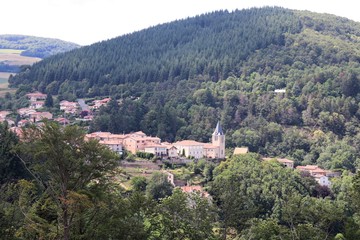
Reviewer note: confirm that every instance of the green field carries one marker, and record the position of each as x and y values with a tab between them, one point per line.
10	51
12	57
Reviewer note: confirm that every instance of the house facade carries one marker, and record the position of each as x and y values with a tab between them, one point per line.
215	149
156	149
190	148
36	96
114	145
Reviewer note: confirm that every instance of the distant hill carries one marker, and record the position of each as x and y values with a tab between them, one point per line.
35	46
176	80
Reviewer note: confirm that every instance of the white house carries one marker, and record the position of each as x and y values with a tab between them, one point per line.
172	151
190	148
157	150
114	145
322	180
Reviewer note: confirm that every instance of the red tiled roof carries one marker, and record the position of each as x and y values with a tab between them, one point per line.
190	189
189	143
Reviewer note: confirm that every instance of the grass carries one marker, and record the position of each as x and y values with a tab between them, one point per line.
12	57
11	51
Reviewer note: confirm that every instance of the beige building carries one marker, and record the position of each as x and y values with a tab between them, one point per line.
286	162
215	149
38	116
36	96
133	142
114	145
156	149
241	150
138	141
172	151
190	148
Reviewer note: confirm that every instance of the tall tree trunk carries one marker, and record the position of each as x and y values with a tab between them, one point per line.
66	222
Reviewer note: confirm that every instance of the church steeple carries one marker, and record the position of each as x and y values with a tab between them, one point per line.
218	139
218	129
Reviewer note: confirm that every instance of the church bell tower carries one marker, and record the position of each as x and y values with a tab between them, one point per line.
218	139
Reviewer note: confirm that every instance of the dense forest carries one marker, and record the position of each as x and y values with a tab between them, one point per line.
35	46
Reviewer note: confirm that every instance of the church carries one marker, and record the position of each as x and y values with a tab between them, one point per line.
194	149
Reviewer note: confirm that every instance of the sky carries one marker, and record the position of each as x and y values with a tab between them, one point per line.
88	21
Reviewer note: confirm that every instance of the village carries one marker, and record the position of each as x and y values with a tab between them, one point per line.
184	151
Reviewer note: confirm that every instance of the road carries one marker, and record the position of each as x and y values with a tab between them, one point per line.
83	105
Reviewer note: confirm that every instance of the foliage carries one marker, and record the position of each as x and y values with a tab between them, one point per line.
184	216
66	169
11	168
249	191
139	183
158	186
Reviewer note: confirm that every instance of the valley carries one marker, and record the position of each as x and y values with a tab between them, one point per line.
116	135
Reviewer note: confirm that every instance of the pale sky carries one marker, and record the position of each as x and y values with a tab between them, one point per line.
89	21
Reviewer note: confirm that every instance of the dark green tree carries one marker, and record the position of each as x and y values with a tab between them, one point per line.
159	186
11	168
67	169
49	102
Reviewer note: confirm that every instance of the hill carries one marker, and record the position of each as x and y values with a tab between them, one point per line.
35	46
177	79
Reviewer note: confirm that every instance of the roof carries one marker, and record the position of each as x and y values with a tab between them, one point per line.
284	160
210	146
110	142
4	113
241	150
196	188
155	146
100	134
218	129
308	167
145	138
189	189
36	94
188	143
312	169
61	119
138	133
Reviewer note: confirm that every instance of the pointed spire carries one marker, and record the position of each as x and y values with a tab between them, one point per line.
218	129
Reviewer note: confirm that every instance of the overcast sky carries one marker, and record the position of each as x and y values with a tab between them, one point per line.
89	21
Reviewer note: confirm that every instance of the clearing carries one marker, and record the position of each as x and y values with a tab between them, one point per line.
12	57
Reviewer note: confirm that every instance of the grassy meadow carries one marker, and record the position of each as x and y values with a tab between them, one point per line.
13	57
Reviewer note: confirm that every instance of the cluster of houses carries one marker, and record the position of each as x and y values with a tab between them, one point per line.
34	113
320	175
140	142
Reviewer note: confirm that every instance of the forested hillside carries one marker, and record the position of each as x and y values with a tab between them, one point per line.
35	46
176	80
